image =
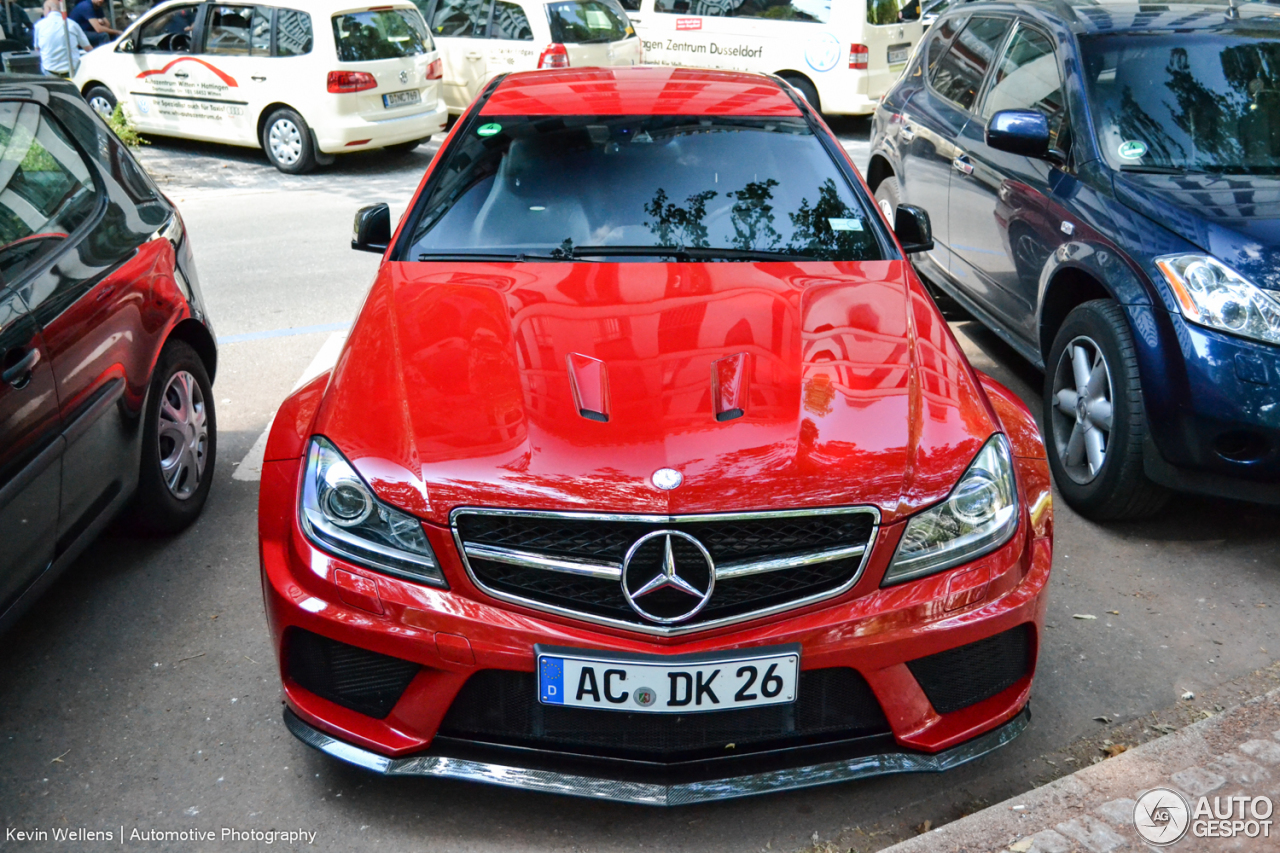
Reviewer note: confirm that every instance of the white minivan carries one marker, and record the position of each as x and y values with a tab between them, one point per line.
302	84
480	39
842	55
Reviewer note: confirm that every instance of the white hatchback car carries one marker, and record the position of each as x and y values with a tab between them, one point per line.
302	85
480	39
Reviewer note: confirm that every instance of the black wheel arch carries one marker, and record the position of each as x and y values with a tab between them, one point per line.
877	170
198	337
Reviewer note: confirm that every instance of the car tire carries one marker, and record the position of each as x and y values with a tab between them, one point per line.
101	101
807	91
288	142
888	197
179	443
1094	417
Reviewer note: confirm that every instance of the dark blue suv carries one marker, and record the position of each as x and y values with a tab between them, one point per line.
1104	185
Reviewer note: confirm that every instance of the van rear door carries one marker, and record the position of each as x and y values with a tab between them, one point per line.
595	33
392	45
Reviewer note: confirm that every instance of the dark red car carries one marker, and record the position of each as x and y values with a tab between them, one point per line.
649	471
106	353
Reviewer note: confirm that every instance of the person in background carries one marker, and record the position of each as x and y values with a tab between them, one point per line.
56	38
88	14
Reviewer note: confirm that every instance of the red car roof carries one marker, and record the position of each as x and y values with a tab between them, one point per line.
639	90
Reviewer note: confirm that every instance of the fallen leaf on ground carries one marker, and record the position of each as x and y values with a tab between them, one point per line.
1084	616
1188	696
1114	749
60	757
924	827
1114	612
1103	719
1021	846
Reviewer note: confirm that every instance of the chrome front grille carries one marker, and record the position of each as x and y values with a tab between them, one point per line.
572	563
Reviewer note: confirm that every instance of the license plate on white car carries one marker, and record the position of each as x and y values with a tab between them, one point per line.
899	53
401	99
679	684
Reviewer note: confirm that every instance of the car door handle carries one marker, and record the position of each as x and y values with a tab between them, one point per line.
181	75
19	373
962	165
258	79
474	55
906	134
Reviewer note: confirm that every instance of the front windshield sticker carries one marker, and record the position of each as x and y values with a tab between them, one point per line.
845	224
488	129
1132	149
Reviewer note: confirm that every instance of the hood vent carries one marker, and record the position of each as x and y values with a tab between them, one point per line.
590	384
729	386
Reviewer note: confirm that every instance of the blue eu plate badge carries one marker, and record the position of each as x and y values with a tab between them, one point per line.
551	680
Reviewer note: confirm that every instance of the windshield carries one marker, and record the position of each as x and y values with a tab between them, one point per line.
722	188
381	34
1206	102
585	21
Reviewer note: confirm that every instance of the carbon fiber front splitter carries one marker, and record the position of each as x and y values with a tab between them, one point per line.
658	794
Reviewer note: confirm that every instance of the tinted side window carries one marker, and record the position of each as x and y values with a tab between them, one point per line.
48	191
943	33
1027	78
510	22
169	32
293	33
775	10
381	34
630	5
460	18
959	73
227	30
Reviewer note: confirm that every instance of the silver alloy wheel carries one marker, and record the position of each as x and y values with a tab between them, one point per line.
102	106
285	140
1082	409
183	432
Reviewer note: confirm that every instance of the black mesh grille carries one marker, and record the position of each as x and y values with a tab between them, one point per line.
726	542
964	676
352	677
497	706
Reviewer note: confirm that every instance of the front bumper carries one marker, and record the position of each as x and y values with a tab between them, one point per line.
448	636
444	762
336	136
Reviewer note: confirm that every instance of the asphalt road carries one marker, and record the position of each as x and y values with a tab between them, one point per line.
142	692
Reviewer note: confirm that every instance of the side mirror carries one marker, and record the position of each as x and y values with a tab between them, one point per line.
126	46
1024	132
913	228
372	229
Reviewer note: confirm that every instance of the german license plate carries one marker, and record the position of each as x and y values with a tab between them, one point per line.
401	99
899	53
677	684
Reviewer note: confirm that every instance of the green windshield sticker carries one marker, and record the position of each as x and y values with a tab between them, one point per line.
1132	149
489	129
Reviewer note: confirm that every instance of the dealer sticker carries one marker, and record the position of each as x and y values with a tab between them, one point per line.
488	129
1132	149
845	224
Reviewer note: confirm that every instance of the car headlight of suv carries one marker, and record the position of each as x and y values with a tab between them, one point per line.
340	514
979	516
1212	294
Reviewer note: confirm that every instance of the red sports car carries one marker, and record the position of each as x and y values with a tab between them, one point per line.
650	472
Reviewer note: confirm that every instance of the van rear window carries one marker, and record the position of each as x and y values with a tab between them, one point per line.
381	34
587	21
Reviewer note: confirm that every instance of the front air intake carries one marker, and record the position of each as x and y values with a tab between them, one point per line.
964	676
346	675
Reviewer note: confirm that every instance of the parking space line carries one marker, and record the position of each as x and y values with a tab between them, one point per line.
282	333
250	468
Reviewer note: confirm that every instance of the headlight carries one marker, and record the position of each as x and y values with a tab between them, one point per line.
1212	294
341	514
979	516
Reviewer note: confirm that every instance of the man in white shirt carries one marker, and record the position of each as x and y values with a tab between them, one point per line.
55	39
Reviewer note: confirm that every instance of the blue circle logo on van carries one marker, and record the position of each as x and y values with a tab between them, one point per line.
823	53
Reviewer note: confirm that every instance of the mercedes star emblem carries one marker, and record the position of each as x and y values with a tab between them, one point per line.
667	478
674	593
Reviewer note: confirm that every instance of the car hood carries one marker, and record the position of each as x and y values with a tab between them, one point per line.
457	388
1235	218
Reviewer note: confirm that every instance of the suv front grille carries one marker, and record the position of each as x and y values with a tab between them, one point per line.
501	707
572	562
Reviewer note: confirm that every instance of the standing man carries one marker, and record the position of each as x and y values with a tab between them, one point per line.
58	41
88	14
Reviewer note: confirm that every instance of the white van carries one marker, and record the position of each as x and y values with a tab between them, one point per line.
842	55
480	39
303	85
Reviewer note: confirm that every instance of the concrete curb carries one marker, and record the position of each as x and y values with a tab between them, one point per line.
1236	752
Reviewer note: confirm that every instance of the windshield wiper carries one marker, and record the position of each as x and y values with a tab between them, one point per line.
1158	170
488	257
685	253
